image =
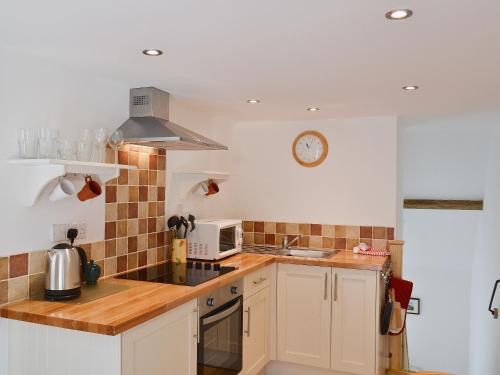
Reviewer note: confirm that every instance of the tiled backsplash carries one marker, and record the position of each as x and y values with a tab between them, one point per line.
317	236
134	235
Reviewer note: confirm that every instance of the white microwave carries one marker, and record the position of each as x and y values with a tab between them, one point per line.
214	239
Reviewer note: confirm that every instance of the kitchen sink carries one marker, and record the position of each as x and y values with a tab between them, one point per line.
305	253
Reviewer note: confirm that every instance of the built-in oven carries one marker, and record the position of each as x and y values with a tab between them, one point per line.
220	346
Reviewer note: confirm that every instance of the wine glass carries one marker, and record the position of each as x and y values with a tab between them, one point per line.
116	140
100	140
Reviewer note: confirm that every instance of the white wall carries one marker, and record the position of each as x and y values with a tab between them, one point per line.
39	93
356	184
439	246
485	331
445	157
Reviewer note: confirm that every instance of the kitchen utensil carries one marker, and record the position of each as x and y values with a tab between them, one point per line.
385	317
92	273
65	266
172	223
63	189
90	190
191	219
28	143
185	223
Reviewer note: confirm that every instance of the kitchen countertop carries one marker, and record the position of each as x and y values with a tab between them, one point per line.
114	314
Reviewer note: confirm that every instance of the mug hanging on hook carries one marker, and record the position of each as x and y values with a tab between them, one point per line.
64	189
90	190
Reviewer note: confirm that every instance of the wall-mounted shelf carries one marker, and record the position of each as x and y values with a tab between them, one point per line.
40	172
188	182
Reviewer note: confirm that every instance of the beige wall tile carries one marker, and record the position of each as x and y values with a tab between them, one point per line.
132	227
4	268
160	224
328	231
133	177
37	262
142	242
109	266
162	178
248	238
143	210
327	242
98	250
270	227
352	231
110	212
315	242
292	228
122	194
4	292
143	161
36	285
340	231
151	256
18	288
304	229
122	246
152	193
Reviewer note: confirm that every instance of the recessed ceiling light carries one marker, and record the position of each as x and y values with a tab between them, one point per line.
313	109
399	14
410	88
253	101
152	52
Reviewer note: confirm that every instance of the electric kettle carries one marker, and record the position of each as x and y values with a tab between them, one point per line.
65	268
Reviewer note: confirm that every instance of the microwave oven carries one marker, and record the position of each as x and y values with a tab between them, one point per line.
214	239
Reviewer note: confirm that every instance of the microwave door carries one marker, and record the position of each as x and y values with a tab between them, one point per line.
227	239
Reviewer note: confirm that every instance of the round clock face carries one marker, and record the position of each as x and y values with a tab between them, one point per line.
310	148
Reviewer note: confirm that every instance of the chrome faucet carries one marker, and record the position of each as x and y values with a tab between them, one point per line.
287	244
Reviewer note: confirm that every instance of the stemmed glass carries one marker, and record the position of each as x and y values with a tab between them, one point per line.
101	138
116	140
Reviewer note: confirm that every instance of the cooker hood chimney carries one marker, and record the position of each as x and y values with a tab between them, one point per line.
148	124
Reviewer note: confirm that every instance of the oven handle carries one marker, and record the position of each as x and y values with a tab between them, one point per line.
223	314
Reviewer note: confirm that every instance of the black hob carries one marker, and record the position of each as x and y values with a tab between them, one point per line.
190	273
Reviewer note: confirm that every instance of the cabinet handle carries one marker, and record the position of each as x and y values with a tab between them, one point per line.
248	322
197	335
261	280
325	296
335	288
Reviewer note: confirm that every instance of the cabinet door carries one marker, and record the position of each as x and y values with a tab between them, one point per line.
165	345
354	321
256	322
304	315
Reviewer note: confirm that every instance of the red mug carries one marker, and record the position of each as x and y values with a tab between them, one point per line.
212	188
90	190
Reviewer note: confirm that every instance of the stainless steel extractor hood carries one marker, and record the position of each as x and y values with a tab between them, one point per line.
148	124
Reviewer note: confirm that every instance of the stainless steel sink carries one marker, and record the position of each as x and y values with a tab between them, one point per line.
305	253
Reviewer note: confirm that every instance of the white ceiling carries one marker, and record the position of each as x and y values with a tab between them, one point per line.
340	55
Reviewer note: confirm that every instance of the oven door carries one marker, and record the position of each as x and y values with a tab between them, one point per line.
220	349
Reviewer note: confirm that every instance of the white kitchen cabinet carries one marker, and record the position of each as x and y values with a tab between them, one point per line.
304	314
256	323
165	345
354	321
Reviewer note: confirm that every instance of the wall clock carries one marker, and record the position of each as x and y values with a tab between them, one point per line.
310	148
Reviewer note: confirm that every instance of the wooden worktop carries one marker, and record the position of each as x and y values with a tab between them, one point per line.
119	312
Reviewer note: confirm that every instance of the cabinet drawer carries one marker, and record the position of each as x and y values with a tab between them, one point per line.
256	281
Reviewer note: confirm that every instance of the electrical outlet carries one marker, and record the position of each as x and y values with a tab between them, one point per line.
59	232
81	228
